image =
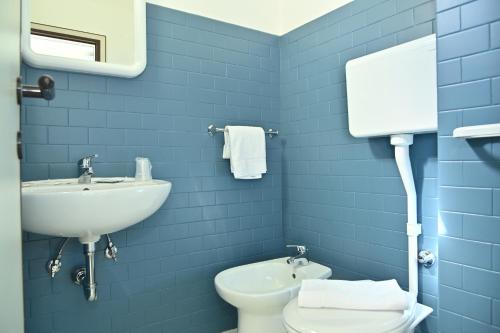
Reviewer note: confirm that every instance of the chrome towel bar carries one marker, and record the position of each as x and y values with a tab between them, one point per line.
212	130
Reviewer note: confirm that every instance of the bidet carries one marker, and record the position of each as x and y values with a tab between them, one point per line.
261	290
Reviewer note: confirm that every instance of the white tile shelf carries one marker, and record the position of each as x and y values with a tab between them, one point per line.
475	132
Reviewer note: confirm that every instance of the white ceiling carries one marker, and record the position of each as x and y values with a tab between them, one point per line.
276	17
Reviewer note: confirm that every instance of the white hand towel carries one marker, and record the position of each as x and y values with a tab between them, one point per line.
354	295
245	147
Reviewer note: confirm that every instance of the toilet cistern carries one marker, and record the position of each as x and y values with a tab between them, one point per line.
300	258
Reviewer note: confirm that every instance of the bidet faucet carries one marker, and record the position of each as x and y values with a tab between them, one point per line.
85	169
300	257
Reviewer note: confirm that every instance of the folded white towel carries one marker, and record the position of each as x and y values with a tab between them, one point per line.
245	147
354	295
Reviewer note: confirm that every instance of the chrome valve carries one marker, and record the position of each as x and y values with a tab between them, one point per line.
53	267
111	251
426	258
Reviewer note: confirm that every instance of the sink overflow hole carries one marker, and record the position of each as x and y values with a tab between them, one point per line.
86	189
294	276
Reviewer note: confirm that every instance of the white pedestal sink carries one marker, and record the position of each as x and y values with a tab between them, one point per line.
65	208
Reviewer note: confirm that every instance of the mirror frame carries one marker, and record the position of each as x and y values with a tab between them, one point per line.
81	66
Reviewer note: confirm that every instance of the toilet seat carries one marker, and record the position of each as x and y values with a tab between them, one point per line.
307	320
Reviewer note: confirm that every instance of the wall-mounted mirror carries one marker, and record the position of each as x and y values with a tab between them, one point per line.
105	37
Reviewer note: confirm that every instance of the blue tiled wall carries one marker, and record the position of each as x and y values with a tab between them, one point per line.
343	196
469	94
199	72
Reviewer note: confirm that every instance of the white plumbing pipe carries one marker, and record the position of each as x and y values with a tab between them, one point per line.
401	143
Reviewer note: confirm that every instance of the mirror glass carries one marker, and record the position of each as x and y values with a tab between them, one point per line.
92	36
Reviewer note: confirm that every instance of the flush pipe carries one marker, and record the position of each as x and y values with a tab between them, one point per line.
402	143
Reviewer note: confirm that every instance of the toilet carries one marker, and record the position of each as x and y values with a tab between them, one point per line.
306	320
309	320
399	101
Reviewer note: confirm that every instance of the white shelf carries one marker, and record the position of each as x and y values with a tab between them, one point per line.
480	131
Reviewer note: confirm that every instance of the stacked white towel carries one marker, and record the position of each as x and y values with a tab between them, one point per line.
245	147
354	295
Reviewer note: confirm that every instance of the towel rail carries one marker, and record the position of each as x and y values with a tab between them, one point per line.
212	130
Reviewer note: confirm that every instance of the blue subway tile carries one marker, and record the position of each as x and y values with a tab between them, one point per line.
450	274
87	118
35	134
479	12
46	116
465	252
186	63
467	200
480	66
481	282
46	153
495	88
73	99
470	325
463	43
448	21
464	303
480	174
425	12
466	95
496	202
105	102
397	22
106	136
495	34
123	120
449	322
417	31
68	135
449	72
86	82
214	68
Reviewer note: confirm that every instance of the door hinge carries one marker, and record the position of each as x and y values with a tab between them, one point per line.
19	143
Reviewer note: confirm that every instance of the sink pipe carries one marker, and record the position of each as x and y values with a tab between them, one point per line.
85	276
89	284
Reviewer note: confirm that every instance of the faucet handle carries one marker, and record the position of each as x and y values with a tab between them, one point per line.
302	249
86	162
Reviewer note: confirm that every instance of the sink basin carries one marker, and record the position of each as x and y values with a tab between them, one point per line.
64	208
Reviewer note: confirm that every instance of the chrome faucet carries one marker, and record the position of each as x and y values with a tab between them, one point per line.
85	169
300	257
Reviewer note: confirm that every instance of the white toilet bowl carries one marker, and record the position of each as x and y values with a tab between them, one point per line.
306	320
